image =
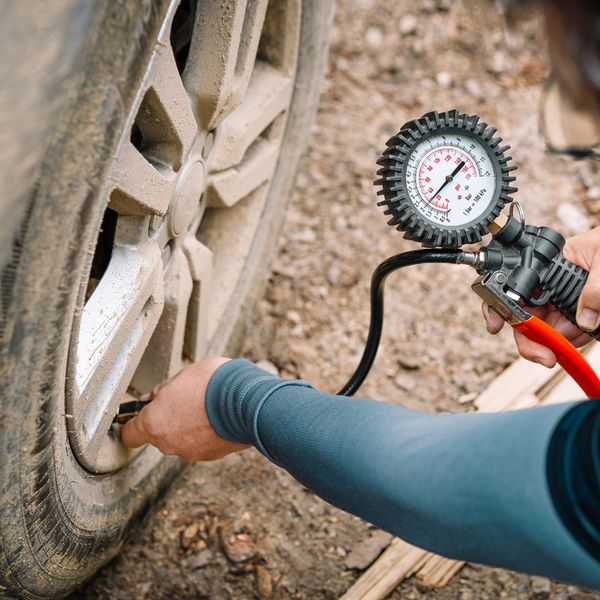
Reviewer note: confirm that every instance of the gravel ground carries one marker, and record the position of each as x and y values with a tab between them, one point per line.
389	62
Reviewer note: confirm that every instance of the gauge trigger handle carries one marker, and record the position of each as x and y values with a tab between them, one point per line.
569	358
489	288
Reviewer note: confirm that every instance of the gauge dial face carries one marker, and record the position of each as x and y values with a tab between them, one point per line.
444	178
450	179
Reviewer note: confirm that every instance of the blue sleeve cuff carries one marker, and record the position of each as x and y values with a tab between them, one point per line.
234	396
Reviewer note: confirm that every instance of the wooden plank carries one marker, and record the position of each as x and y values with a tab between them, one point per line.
439	573
522	378
453	568
567	389
431	566
399	561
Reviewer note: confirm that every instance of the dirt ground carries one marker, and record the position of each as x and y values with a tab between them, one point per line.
389	62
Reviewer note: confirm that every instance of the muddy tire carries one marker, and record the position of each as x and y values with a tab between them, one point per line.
64	513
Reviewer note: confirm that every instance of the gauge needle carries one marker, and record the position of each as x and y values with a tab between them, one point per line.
449	178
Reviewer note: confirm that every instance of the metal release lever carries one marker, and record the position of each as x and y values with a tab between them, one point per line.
489	287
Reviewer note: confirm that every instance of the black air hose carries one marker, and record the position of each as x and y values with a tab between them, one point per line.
406	259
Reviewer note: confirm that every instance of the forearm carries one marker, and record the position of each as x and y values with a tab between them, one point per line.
468	486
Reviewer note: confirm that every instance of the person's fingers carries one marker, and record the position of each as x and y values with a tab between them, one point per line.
581	340
588	307
564	327
572	332
156	389
133	433
493	320
533	351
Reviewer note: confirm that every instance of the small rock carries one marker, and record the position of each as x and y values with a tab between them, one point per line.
499	63
593	192
143	589
340	274
268	366
408	24
466	594
405	382
183	520
373	37
197	545
366	551
238	547
340	552
410	362
341	223
573	217
473	88
293	317
241	569
540	587
444	79
200	560
264	582
188	536
334	273
304	236
418	49
466	398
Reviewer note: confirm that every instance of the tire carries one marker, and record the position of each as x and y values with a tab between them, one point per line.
59	521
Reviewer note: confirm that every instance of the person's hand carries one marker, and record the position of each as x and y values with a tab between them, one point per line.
584	251
176	421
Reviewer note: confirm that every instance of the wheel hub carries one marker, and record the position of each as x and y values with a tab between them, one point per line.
187	199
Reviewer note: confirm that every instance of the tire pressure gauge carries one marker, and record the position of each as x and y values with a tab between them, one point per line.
444	179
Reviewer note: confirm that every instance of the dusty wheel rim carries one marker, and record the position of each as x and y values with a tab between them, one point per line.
185	196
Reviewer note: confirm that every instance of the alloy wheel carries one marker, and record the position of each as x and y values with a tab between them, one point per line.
185	195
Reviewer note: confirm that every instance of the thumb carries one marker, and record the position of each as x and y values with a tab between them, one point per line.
588	307
493	320
134	434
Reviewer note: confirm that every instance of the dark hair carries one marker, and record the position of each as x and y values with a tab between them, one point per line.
574	40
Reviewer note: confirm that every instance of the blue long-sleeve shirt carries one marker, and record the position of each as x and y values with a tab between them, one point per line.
519	489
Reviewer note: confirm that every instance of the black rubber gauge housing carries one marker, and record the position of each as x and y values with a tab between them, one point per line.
442	139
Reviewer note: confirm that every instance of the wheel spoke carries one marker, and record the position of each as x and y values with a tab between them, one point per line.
230	186
253	24
230	251
200	260
268	96
140	189
115	326
165	130
180	128
163	356
217	74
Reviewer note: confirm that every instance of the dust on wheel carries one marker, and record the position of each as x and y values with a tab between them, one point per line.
147	231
